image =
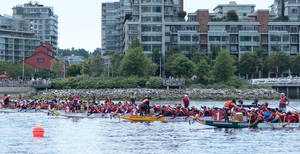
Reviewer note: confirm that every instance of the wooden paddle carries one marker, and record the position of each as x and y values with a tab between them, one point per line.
269	124
293	108
249	120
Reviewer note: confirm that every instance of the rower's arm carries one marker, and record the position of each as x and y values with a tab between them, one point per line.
235	105
268	118
256	121
275	119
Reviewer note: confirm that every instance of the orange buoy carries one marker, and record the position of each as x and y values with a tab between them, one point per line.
38	131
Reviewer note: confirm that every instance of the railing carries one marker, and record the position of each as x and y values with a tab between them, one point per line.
276	81
35	84
173	82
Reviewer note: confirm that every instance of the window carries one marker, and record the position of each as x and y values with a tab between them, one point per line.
40	60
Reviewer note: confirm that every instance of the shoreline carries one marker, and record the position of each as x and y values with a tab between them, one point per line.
155	94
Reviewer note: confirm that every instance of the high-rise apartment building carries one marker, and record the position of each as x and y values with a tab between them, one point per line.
16	41
147	22
44	21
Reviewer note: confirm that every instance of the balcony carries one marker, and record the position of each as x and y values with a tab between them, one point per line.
264	42
169	3
133	32
203	42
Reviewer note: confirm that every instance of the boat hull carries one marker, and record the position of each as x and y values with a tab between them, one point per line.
150	119
225	124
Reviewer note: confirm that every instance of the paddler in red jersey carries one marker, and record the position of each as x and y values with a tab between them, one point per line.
108	99
255	118
6	100
228	106
186	101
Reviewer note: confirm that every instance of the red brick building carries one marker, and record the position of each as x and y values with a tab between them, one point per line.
43	57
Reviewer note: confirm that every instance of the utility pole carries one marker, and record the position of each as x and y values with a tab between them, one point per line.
160	67
23	66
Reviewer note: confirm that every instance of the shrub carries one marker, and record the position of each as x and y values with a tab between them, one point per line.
155	82
197	86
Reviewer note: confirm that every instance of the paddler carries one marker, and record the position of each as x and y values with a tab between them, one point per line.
282	103
228	106
108	99
145	105
274	118
6	100
132	98
256	118
186	101
94	98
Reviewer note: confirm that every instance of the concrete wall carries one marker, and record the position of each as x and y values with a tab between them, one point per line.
12	90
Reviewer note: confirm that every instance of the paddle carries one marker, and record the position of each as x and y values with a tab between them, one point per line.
292	107
249	120
269	124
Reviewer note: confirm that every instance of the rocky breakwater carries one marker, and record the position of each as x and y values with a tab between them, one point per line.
157	94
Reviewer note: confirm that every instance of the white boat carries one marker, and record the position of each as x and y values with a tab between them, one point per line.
9	110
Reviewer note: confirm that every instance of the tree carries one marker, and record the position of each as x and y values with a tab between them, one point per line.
182	67
202	71
135	62
199	56
214	51
175	49
74	69
57	68
193	48
181	15
278	62
169	61
153	67
96	52
231	16
250	63
223	68
295	68
115	63
43	72
93	66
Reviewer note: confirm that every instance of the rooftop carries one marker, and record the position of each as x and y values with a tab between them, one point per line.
233	3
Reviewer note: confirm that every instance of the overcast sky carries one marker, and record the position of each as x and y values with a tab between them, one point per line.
80	20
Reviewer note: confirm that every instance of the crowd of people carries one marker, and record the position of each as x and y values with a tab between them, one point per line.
73	105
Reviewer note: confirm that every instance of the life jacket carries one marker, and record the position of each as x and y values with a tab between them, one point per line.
94	110
257	116
186	100
144	103
70	98
228	105
134	112
181	111
33	107
282	103
6	99
244	112
168	112
75	100
93	98
1	105
218	114
67	109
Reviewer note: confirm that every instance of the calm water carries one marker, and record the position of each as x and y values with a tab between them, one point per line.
63	135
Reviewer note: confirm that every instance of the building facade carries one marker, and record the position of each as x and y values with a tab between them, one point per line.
147	22
43	19
16	41
241	9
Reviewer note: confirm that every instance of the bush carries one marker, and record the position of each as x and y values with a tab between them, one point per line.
236	82
155	82
60	83
218	86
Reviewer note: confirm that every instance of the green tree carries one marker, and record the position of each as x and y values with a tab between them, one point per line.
175	49
231	16
250	63
182	67
198	56
181	15
295	68
193	48
115	63
153	67
169	61
96	52
202	72
43	72
74	69
57	68
135	62
93	66
278	62
214	51
223	68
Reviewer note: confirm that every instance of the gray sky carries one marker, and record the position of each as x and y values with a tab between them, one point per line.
80	21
